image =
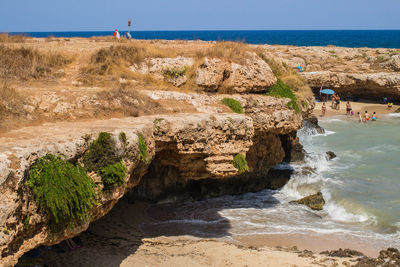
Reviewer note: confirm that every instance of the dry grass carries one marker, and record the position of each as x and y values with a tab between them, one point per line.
291	78
108	65
7	38
25	63
131	103
11	107
236	52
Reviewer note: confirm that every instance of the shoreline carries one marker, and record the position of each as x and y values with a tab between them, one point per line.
380	109
116	240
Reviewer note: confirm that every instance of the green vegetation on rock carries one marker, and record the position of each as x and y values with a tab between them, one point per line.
113	175
280	89
101	153
175	72
240	163
64	191
122	138
26	221
102	158
233	104
157	126
143	153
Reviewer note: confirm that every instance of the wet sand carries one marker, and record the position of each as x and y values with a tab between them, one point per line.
116	240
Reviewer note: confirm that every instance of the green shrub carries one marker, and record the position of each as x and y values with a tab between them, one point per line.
122	138
113	175
240	163
143	153
157	126
233	104
26	221
276	68
64	191
175	72
101	153
280	89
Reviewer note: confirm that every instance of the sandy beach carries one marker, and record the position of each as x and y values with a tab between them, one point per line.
116	240
356	106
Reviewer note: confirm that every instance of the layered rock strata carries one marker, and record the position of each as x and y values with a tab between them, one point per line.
365	85
181	148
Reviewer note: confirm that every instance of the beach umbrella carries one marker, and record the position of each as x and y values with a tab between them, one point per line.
327	92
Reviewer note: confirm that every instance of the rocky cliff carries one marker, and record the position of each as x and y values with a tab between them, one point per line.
178	149
363	72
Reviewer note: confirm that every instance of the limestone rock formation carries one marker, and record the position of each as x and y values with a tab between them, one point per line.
363	72
252	77
311	123
315	202
182	149
367	85
171	69
212	73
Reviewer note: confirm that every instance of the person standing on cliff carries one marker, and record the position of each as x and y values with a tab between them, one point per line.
323	109
116	34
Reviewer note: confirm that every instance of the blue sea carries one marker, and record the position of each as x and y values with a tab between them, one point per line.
345	38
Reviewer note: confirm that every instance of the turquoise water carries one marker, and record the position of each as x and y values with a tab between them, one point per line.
366	171
361	188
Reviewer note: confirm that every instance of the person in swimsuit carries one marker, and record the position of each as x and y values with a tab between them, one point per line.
374	116
359	117
333	98
348	108
337	102
366	117
323	109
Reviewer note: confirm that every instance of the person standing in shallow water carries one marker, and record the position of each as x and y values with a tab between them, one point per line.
359	117
348	109
323	110
366	116
374	116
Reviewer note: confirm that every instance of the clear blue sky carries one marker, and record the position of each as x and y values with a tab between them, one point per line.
94	15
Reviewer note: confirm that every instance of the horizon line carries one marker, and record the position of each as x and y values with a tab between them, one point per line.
199	30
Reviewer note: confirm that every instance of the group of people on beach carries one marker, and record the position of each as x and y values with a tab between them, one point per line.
349	110
367	117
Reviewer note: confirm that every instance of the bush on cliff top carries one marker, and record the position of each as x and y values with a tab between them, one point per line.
233	104
280	89
240	163
64	191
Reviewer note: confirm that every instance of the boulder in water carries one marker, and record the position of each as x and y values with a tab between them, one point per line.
330	155
307	170
315	202
312	123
